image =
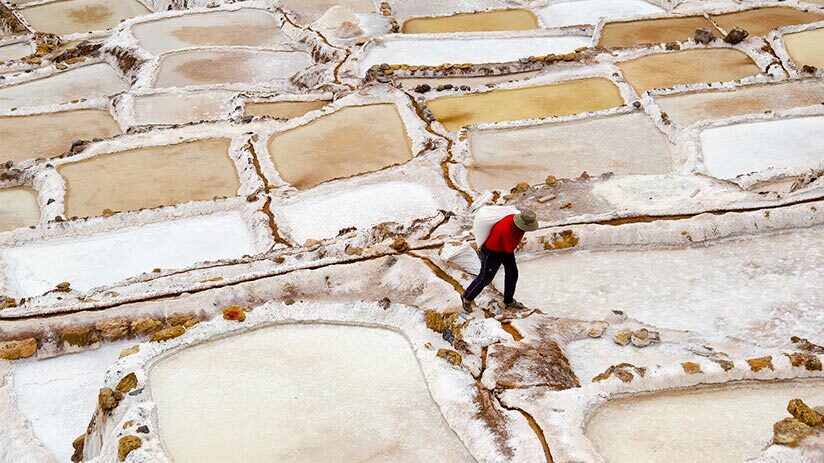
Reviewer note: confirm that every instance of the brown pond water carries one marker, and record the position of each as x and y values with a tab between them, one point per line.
150	177
283	109
761	21
71	16
52	134
806	47
348	142
626	144
472	81
573	97
689	108
310	10
228	66
664	70
485	21
18	208
632	33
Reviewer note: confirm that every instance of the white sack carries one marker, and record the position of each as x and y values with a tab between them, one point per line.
486	218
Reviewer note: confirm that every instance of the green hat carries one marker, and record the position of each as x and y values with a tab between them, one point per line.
526	220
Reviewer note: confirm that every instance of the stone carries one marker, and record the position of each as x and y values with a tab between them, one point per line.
112	330
551	181
79	337
807	346
15	350
597	330
78	445
703	36
808	361
803	413
146	326
758	364
168	333
520	187
127	383
63	287
423	88
143	429
400	244
790	431
623	371
129	351
623	337
691	368
125	446
644	337
107	399
526	365
311	243
234	313
737	35
450	356
182	319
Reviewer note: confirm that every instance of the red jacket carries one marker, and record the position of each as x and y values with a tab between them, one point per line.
505	236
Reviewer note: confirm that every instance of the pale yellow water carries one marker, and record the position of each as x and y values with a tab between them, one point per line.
761	21
150	177
562	99
806	48
712	425
228	66
664	70
689	108
283	109
486	21
632	33
86	82
52	134
18	208
347	142
71	16
472	81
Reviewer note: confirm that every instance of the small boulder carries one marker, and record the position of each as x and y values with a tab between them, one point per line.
78	445
186	320
112	330
79	337
15	350
127	383
808	361
400	244
623	337
758	364
168	333
423	88
234	313
107	399
450	356
126	445
129	351
691	368
790	431
803	413
737	35
703	36
145	326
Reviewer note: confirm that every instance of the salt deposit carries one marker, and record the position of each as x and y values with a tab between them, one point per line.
72	16
86	82
180	108
15	51
559	14
18	208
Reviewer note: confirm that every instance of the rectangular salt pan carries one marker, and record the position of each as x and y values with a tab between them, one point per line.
87	82
228	66
105	258
589	11
72	16
180	108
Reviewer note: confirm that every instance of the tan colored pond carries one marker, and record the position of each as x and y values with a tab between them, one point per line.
482	21
472	81
689	108
626	144
52	134
761	21
14	51
150	177
806	48
310	10
632	33
664	70
348	142
573	97
283	109
729	424
18	208
85	82
228	66
246	27
180	108
71	16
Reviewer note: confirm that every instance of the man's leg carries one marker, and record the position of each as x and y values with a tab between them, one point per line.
490	263
510	277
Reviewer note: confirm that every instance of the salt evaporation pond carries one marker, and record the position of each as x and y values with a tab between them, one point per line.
86	82
15	51
387	202
51	134
283	109
104	258
310	10
572	97
432	52
805	48
150	177
246	27
216	66
628	144
350	141
182	107
300	393
472	81
688	108
727	424
18	208
665	70
72	16
761	21
58	396
793	144
571	13
654	31
482	21
763	288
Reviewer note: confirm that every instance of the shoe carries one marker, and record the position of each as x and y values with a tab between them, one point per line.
515	305
467	305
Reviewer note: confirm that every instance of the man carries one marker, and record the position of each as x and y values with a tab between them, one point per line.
499	249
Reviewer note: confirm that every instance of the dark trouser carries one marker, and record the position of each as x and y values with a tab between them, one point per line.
490	263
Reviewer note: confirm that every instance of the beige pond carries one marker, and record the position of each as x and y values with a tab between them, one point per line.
761	21
632	33
665	70
806	48
71	16
689	108
150	177
14	51
51	134
626	144
486	21
18	208
85	82
283	109
249	27
301	393
573	97
727	424
228	66
180	108
310	10
348	142
472	81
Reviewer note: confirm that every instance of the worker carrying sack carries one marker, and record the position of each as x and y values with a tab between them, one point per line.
486	218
